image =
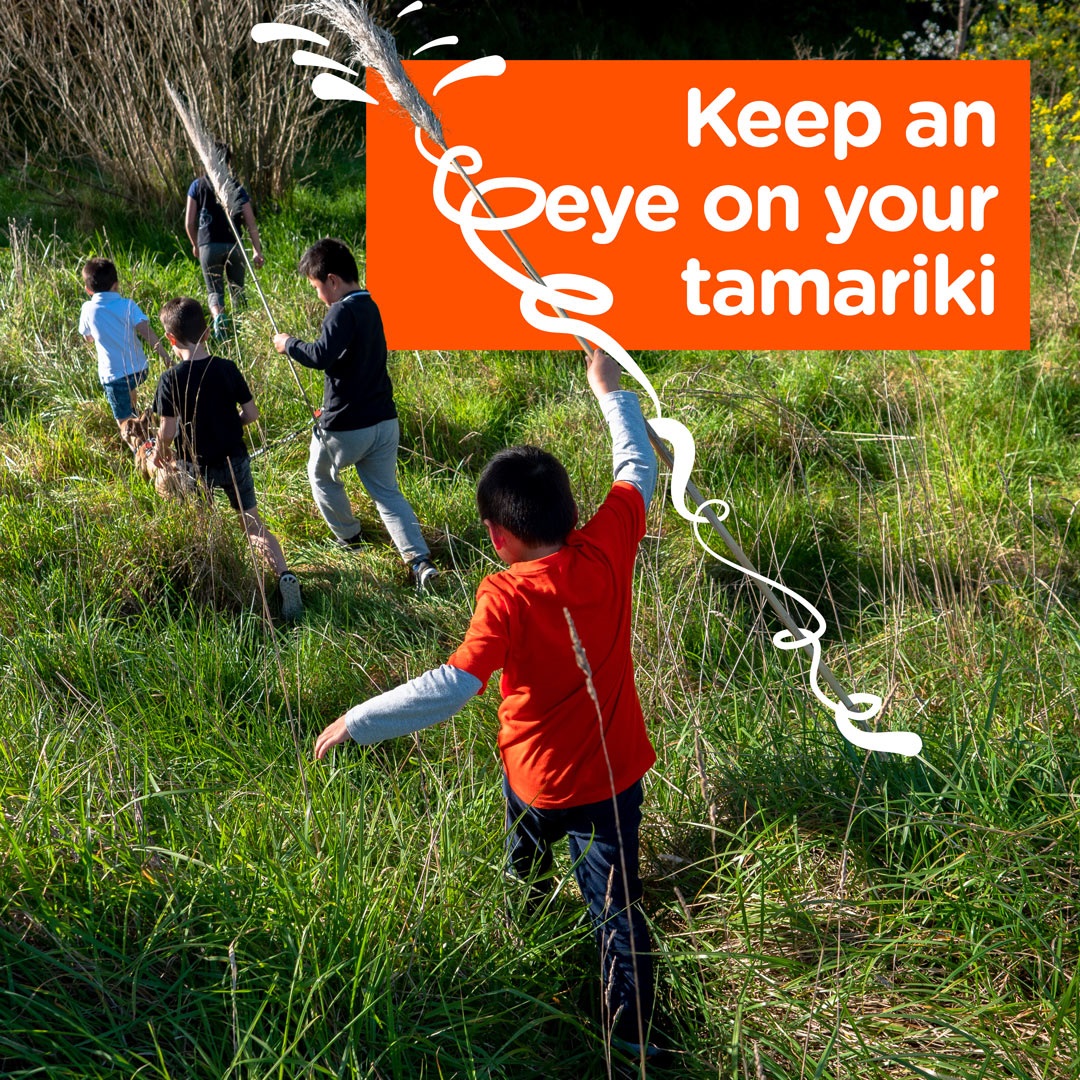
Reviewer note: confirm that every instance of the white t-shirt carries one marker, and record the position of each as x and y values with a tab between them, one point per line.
111	320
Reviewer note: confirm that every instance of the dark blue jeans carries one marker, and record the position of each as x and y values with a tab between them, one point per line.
614	904
220	262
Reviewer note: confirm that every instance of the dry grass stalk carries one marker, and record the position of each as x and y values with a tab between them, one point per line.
84	83
210	153
582	660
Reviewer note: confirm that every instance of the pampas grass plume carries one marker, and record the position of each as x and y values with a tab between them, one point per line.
210	153
374	48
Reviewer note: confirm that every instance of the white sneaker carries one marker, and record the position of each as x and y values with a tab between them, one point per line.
424	573
292	607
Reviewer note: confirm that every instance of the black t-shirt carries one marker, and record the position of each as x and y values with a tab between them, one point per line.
203	395
213	224
351	352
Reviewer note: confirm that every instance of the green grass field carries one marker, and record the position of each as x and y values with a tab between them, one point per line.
185	893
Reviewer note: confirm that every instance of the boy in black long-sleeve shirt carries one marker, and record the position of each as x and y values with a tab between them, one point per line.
358	424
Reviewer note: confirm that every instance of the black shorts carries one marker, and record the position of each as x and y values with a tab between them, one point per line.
233	476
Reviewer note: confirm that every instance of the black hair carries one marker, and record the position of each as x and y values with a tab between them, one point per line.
526	491
326	257
99	275
184	319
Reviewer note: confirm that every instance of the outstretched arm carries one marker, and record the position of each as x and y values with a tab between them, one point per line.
147	334
338	330
421	702
632	457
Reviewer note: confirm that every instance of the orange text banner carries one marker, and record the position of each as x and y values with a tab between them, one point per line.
811	204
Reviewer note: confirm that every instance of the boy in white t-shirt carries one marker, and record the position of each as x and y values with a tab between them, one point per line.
113	324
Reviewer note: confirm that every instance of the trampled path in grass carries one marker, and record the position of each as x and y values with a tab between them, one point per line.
183	892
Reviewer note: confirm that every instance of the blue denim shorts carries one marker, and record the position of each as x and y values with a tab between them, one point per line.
233	476
118	394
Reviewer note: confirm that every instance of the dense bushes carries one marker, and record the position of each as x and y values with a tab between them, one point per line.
85	83
1048	35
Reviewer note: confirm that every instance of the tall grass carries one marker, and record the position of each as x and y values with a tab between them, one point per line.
183	892
86	84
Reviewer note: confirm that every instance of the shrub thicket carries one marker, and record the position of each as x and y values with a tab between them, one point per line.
1048	35
83	82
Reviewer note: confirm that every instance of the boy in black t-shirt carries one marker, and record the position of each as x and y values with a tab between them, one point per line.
198	401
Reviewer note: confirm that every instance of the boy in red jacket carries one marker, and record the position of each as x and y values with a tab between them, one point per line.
565	773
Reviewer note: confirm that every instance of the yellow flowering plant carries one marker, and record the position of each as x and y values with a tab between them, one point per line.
1047	34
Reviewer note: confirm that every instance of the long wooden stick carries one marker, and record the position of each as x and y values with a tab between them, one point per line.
701	504
220	179
269	315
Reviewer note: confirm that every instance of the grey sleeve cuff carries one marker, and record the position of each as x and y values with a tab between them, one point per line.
632	455
428	699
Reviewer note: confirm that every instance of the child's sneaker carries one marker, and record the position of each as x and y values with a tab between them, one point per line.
424	573
352	543
292	607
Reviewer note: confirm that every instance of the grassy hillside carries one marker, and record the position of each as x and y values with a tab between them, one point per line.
183	892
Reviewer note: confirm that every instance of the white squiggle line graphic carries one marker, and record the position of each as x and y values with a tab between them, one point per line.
486	65
591	298
451	39
597	300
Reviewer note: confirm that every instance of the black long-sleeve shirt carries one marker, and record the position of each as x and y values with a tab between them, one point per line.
351	353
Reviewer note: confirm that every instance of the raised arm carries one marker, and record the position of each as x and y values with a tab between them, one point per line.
632	457
421	702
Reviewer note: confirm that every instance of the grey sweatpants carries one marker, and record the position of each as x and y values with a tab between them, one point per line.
373	450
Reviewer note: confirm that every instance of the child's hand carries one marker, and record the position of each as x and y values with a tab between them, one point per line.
602	372
333	735
162	455
280	341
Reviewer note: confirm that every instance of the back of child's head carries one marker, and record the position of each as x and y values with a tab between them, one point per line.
526	491
326	257
184	320
99	275
223	151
